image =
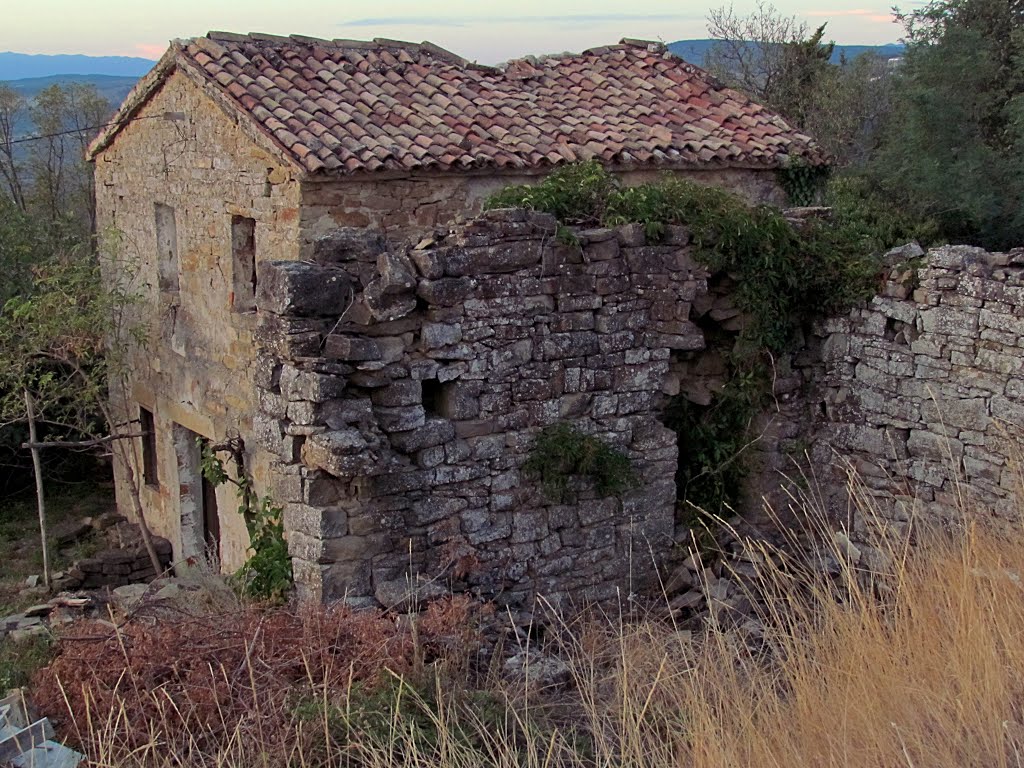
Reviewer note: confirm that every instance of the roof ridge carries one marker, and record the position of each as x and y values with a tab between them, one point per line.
654	46
466	116
338	42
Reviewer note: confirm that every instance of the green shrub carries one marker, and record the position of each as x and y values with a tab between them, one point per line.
267	573
784	276
561	454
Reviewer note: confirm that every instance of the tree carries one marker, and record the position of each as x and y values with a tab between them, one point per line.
56	364
13	114
65	119
779	62
749	50
955	151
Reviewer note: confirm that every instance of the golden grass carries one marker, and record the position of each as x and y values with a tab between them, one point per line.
930	675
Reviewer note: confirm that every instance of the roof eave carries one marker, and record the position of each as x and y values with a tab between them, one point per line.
136	99
175	59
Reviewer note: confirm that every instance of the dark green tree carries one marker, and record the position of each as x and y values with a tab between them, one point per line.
953	147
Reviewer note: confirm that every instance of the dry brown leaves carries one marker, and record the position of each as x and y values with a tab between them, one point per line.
195	681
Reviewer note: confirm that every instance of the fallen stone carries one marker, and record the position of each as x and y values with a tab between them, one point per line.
690	599
43	609
129	596
537	669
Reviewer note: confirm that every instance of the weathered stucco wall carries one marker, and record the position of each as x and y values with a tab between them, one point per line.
414	205
196	369
922	391
406	388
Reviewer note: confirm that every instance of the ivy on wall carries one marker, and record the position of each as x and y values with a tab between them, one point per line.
784	277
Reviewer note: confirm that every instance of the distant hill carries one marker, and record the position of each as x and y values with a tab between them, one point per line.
18	66
111	87
695	50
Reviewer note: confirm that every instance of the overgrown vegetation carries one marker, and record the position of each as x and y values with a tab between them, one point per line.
929	674
562	455
267	573
712	440
784	277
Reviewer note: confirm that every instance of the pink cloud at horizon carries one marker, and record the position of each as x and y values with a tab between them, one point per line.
861	13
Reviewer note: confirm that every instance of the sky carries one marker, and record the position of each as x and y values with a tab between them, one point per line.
487	33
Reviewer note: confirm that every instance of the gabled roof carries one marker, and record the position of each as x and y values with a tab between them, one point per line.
343	106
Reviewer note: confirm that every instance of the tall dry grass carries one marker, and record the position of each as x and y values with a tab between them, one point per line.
921	666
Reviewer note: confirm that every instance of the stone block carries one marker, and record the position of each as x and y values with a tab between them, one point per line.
302	289
399	393
341	453
445	292
297	384
352	348
401	419
348	244
431	433
337	414
932	446
434	335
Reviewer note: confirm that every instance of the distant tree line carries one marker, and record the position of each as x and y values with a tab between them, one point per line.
938	134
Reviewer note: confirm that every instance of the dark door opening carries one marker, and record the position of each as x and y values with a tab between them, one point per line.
197	500
211	519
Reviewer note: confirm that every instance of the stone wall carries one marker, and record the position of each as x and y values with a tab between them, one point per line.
174	181
195	370
922	391
402	389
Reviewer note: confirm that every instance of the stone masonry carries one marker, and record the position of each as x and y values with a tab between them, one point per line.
401	389
922	391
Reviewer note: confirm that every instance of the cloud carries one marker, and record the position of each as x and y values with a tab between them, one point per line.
149	50
861	13
560	19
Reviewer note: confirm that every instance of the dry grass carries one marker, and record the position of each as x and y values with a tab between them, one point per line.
921	666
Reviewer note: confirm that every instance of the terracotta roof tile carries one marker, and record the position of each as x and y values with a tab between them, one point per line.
351	106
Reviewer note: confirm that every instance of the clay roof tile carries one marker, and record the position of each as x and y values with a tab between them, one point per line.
346	106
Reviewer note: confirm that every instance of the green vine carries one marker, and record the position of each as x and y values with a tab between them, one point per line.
561	454
784	277
803	183
267	574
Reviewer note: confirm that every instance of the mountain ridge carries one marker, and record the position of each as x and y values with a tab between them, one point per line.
695	50
21	66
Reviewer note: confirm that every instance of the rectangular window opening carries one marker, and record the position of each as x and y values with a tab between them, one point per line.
243	263
149	465
166	248
433	396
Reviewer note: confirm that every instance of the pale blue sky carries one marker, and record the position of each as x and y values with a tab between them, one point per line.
486	32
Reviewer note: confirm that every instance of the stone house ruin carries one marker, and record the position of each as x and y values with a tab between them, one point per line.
288	201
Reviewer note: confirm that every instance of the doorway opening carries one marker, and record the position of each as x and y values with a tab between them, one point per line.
198	517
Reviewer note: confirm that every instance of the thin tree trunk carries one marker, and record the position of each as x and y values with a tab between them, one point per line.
37	467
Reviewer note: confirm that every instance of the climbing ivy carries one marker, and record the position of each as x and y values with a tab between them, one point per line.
267	574
562	453
784	277
803	183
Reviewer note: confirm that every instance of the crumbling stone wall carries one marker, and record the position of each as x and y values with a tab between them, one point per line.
410	205
401	391
922	391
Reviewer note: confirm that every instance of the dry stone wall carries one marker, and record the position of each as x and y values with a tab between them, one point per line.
922	391
401	391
